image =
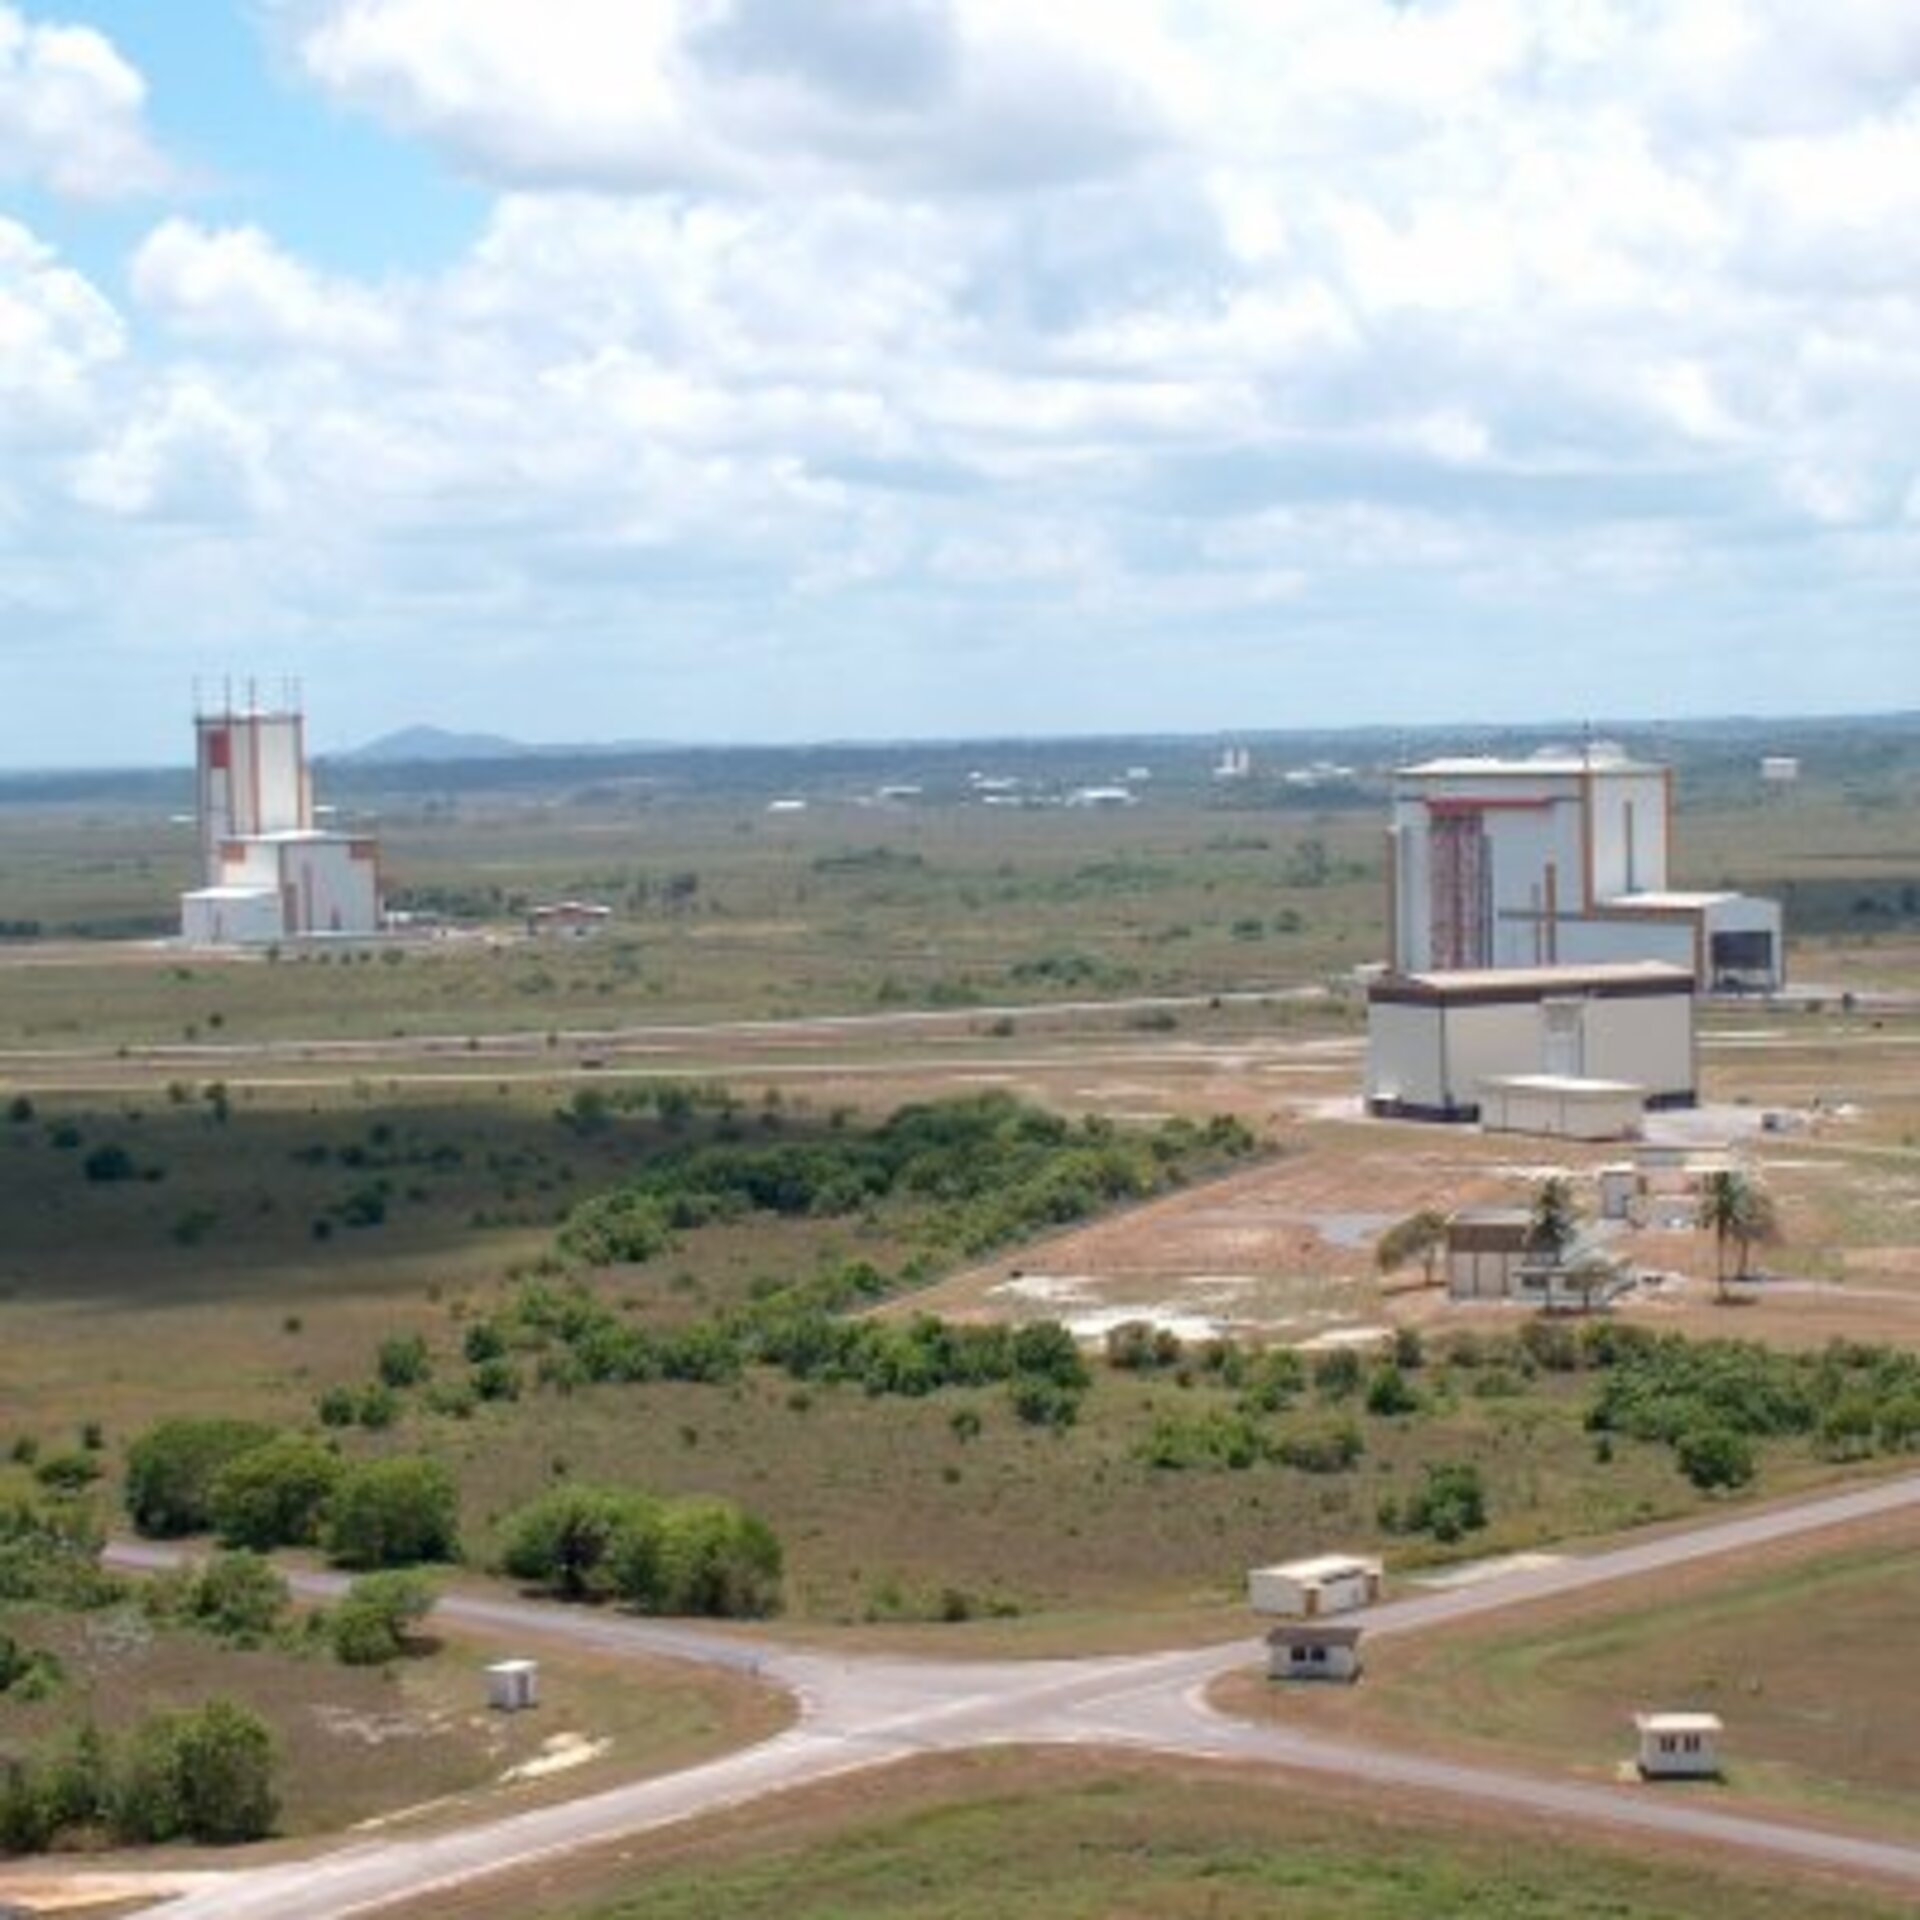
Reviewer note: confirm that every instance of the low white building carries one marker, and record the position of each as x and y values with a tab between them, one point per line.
1314	1650
1434	1040
1306	1589
1678	1746
1490	1257
1486	1247
279	886
1561	1105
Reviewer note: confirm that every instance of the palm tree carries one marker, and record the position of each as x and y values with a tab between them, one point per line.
1734	1209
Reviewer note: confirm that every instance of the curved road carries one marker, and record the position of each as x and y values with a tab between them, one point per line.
860	1712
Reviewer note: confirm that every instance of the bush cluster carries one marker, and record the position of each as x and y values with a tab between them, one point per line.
980	1172
699	1556
259	1487
202	1774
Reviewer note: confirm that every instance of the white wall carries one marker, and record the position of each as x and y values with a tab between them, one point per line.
1504	1037
1629	861
1603	942
211	919
1403	1055
1648	1040
335	887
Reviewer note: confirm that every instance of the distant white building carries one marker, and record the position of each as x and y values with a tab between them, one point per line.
1561	859
267	872
1780	769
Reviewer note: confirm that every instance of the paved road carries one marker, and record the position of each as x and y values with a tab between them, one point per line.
863	1712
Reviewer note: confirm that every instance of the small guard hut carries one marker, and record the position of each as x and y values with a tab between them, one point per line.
1314	1650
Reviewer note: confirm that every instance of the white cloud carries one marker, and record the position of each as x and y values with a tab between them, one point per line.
187	455
57	333
73	113
1257	329
637	95
237	288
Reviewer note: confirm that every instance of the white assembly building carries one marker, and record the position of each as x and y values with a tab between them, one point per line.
267	873
1542	972
1558	860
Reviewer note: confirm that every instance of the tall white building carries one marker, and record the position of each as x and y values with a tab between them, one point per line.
1561	859
267	873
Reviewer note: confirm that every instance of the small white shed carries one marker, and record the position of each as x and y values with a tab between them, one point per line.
1678	1746
1314	1650
1306	1589
513	1685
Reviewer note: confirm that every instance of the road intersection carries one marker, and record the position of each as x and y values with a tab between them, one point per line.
861	1712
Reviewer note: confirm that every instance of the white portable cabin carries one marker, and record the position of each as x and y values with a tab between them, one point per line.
1314	1650
1306	1589
513	1685
1678	1746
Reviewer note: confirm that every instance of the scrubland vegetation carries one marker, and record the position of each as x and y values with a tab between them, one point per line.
654	1343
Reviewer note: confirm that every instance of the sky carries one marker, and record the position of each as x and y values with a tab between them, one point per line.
802	369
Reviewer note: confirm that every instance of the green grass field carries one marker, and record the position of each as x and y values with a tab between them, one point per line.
1037	1837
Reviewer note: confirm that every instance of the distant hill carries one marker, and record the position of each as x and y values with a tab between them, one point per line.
421	746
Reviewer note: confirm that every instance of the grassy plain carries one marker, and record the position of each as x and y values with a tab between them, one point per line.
413	1740
1038	1836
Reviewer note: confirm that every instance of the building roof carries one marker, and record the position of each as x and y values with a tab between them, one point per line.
1671	901
1678	1722
1474	766
1315	1633
1322	1566
1614	979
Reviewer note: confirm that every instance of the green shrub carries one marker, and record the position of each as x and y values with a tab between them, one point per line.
273	1495
239	1596
565	1540
172	1467
1451	1501
1324	1446
204	1774
371	1624
404	1361
392	1513
1715	1457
